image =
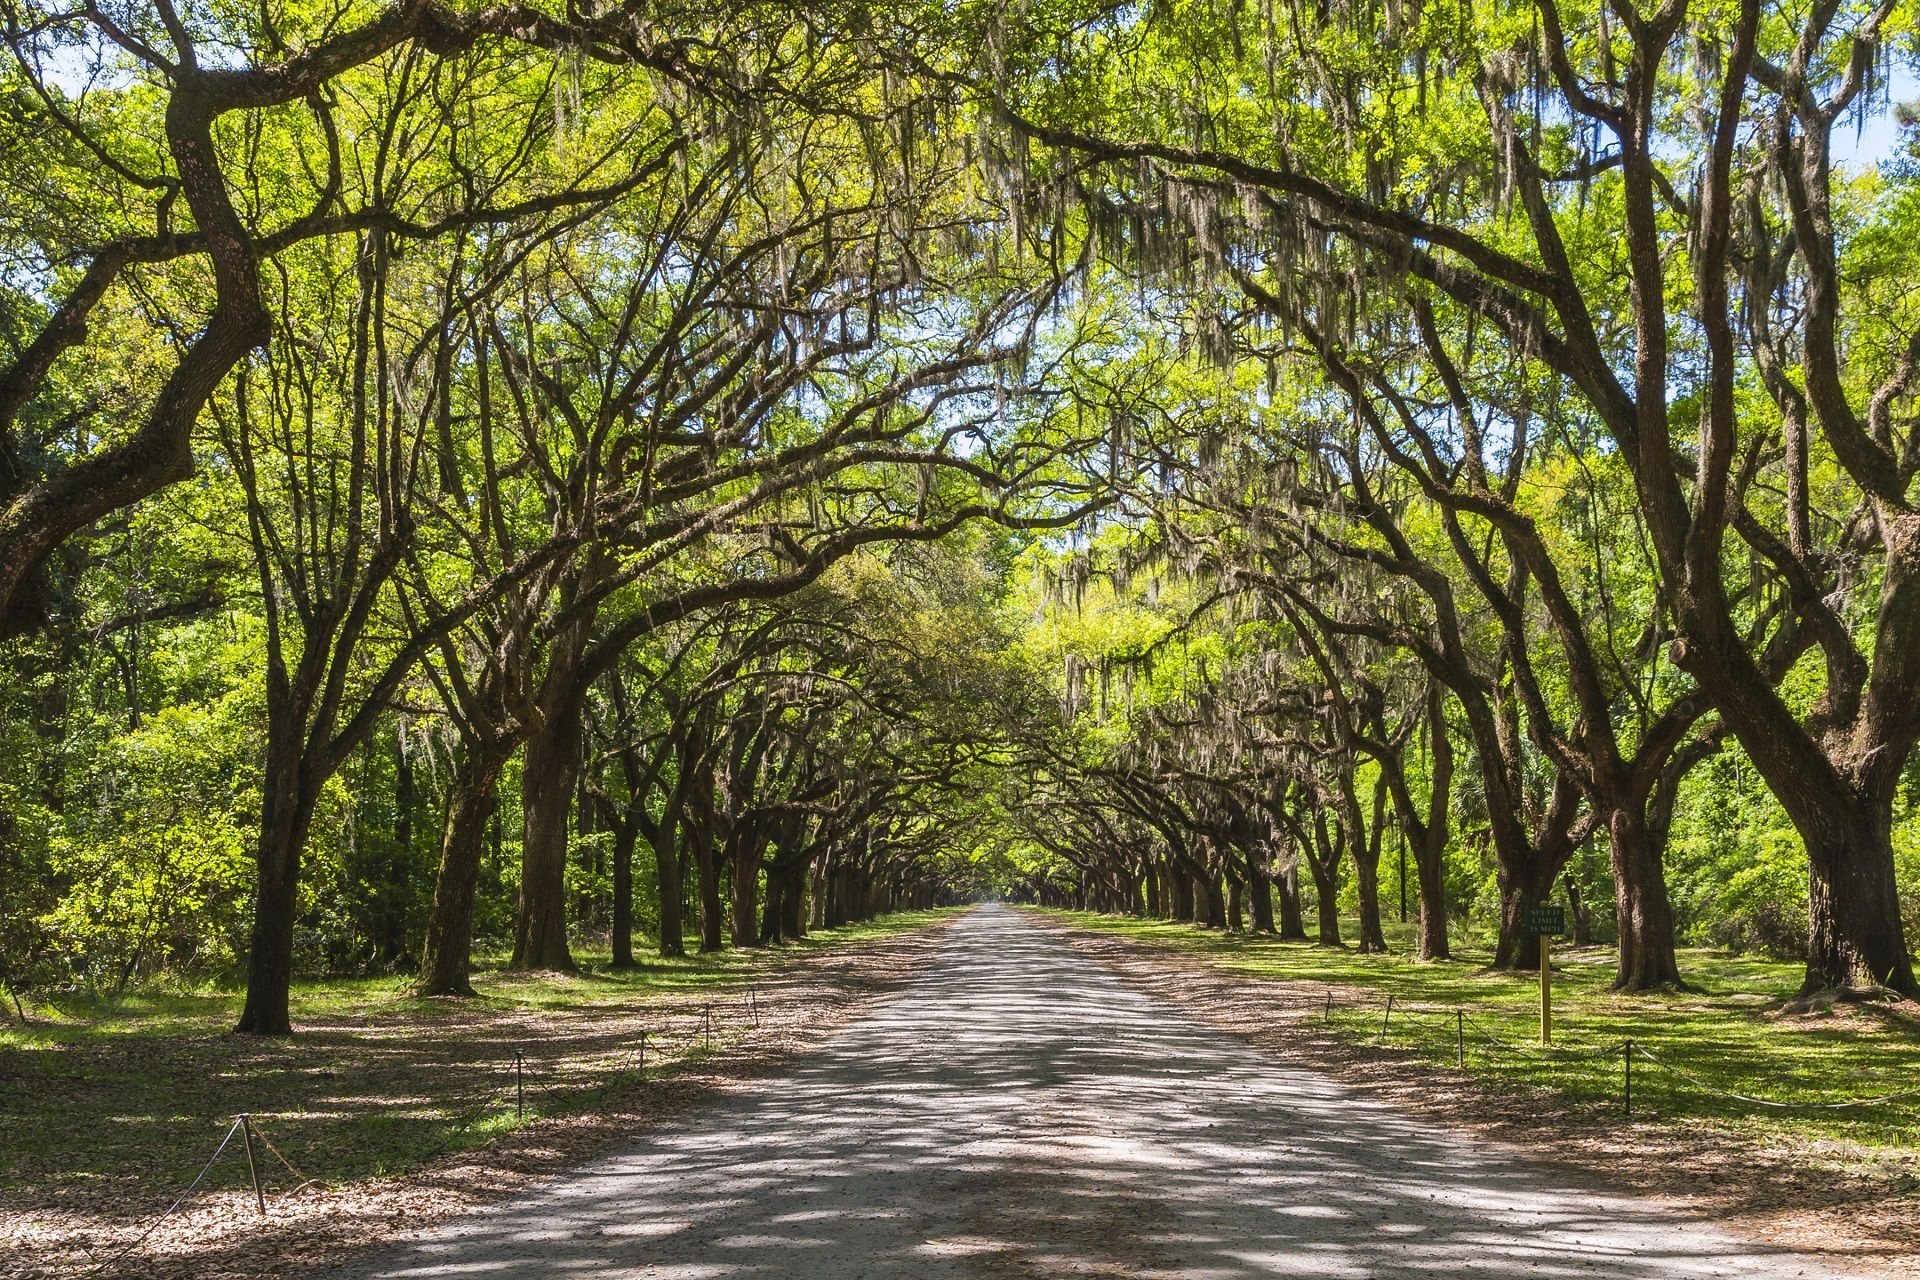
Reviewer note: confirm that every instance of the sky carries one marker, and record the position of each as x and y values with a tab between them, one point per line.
1879	134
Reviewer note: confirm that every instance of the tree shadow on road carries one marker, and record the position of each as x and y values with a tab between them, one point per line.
1022	1113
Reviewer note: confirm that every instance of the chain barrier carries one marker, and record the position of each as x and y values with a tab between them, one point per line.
1627	1050
1845	1105
246	1124
100	1265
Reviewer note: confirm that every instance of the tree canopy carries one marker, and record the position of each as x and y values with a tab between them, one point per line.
538	478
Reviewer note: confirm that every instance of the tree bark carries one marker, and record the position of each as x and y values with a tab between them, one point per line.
625	834
745	862
1293	926
551	766
473	798
1260	895
286	816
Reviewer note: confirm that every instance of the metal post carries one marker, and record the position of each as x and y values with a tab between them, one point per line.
706	1028
1460	1035
643	1048
1389	1018
1328	1016
1626	1061
253	1170
519	1087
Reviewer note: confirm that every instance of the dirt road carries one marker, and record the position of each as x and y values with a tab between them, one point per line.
1021	1112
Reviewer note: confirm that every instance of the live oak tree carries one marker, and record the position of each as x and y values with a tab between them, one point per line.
1514	166
732	471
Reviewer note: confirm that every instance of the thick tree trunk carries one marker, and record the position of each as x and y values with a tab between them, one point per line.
1366	885
1641	905
625	833
285	818
1520	888
1326	892
669	889
1844	813
473	797
1855	938
1260	896
1293	925
1182	885
1210	897
1429	862
746	892
552	763
793	905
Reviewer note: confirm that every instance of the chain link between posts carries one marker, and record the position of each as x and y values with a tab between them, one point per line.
700	1035
1627	1050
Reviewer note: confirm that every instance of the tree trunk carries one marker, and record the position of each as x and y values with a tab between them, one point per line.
1520	888
793	906
1579	915
1293	927
746	891
1430	865
1211	901
393	913
669	889
706	865
1260	896
551	765
473	797
286	814
1855	938
1366	885
1326	892
1182	885
625	833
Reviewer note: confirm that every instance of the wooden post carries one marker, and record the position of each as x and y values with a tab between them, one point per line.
1546	989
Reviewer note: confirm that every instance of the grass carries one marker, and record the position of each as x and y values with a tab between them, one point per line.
112	1102
1730	1032
79	1017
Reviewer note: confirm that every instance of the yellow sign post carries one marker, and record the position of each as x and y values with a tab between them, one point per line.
1545	923
1546	990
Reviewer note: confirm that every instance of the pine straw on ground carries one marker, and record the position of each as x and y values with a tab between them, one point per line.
1816	1198
584	1096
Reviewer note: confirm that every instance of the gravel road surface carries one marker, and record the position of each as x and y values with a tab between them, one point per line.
1019	1111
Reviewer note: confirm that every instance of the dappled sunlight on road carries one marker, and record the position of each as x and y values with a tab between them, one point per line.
1021	1112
